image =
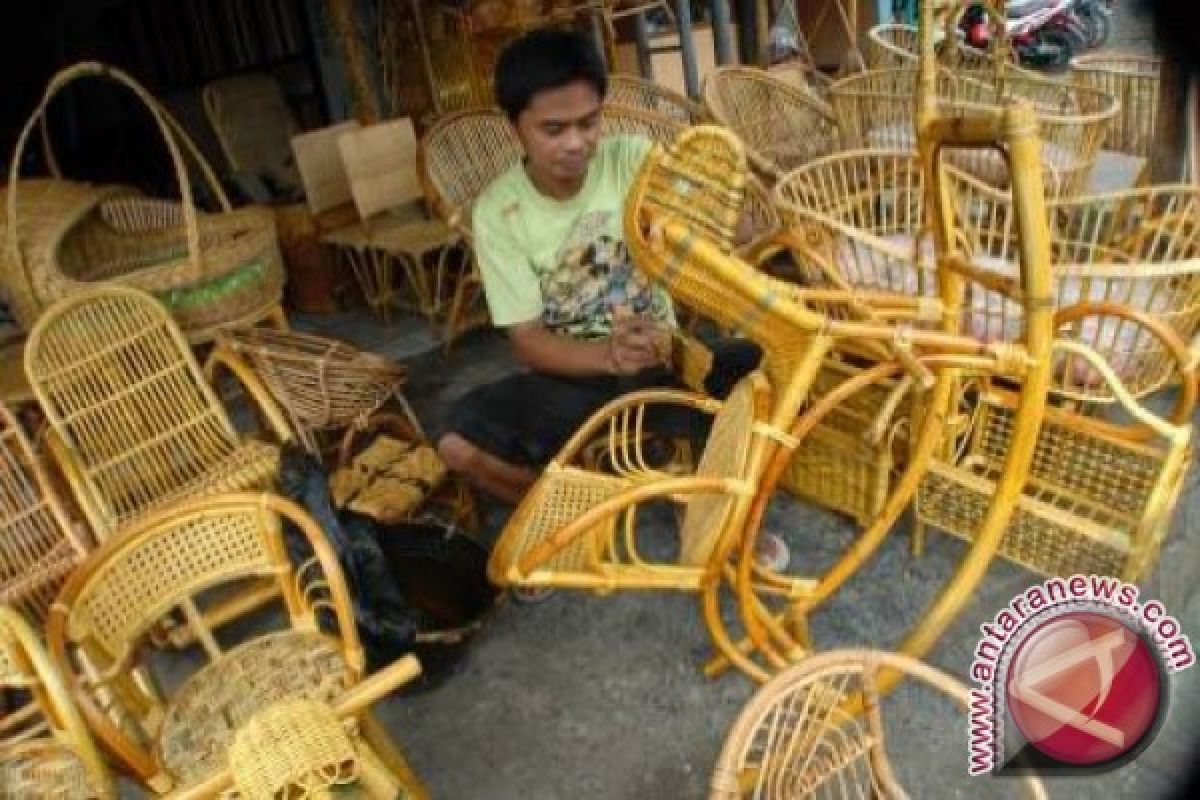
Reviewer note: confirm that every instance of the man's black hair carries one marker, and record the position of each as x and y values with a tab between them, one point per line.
546	58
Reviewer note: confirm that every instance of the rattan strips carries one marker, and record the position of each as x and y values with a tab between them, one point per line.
212	269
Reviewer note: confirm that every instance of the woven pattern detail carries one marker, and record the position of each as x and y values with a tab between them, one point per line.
840	472
1133	80
700	180
1082	508
44	770
785	127
205	714
36	554
634	92
127	398
562	495
144	581
724	456
465	152
291	750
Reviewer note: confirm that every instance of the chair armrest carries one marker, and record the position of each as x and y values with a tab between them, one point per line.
223	356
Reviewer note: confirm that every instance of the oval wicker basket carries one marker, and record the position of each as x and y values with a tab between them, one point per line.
211	269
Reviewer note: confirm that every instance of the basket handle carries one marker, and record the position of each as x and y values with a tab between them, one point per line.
171	131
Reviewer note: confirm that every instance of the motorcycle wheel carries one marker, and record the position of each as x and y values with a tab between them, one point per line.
1051	50
1098	24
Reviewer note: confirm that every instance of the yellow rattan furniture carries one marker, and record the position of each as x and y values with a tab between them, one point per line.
896	45
781	126
99	629
631	91
1133	80
857	219
213	270
46	749
817	730
1100	494
133	424
38	544
875	109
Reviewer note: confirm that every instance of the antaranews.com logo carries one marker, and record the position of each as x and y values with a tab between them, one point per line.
1072	678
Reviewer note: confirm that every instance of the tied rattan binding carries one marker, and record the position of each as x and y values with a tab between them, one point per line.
46	749
817	730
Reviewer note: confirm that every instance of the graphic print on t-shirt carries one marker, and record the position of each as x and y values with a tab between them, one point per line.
593	274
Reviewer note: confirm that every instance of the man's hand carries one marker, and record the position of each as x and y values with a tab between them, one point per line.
638	342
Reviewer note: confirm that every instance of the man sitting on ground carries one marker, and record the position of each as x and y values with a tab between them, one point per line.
584	324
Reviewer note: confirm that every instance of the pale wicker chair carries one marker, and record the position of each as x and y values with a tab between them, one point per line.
875	109
782	126
133	424
38	544
99	629
46	749
1133	80
817	730
631	91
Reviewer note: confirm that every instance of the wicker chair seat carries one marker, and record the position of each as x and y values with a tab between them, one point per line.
249	465
205	714
416	236
43	769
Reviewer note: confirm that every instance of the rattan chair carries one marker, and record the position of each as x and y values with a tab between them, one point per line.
133	424
38	544
1133	80
817	730
176	738
781	126
631	91
875	109
380	164
46	749
897	44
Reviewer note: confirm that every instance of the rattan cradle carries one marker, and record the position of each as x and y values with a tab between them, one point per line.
782	126
817	730
38	545
46	749
213	269
1133	80
857	219
874	109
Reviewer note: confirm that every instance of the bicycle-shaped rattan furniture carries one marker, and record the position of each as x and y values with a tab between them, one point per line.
100	628
817	730
46	749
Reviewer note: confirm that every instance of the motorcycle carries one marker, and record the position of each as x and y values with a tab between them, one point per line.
1042	33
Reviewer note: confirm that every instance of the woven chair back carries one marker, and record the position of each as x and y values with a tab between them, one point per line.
1133	80
631	91
322	172
817	730
46	749
125	397
782	126
171	563
38	545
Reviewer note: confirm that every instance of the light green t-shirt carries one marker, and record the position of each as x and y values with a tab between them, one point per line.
564	262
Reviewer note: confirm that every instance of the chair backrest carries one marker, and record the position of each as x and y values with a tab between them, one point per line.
381	166
782	126
102	626
254	125
38	546
464	152
319	162
45	747
807	729
631	91
126	402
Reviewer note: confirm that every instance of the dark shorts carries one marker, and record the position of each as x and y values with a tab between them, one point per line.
527	417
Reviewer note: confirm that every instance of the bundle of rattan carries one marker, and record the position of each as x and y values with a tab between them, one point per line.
875	109
212	270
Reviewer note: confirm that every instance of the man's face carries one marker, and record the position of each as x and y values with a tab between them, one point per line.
559	131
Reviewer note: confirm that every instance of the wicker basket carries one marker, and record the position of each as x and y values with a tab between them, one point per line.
212	270
874	109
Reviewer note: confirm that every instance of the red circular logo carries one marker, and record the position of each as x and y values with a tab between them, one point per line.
1083	688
